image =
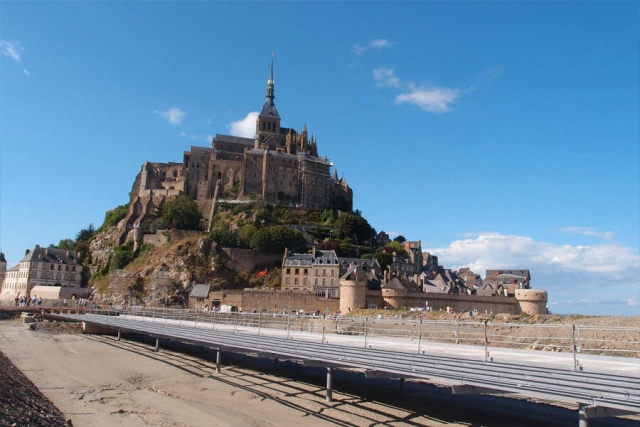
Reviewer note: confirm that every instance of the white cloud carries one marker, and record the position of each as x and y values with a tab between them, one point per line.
431	99
588	231
173	115
595	279
386	77
494	250
244	127
375	44
11	49
25	71
428	98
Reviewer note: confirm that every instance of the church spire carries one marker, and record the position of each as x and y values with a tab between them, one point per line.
270	85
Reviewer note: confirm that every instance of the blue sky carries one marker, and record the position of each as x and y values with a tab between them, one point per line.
500	134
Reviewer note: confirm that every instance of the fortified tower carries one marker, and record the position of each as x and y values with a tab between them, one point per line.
353	289
532	301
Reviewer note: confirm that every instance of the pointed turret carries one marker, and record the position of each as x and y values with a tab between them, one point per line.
269	120
270	86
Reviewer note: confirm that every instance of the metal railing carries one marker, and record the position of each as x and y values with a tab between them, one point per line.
564	338
610	389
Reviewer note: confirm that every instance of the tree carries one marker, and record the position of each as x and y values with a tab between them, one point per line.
396	247
114	216
86	234
225	236
276	239
182	213
400	239
383	258
245	234
354	227
67	244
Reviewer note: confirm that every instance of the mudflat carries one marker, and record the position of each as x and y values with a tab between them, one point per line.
96	380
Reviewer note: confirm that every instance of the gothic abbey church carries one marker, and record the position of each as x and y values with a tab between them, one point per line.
279	165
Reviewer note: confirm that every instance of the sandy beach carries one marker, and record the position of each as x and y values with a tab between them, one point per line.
96	380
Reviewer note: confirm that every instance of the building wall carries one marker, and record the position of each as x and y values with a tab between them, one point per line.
277	300
20	280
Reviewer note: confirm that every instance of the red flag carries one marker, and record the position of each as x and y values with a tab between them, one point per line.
262	273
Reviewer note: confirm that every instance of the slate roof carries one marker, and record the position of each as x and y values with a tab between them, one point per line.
269	109
199	291
234	139
51	255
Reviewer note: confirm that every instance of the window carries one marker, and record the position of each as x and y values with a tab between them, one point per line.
287	281
306	271
324	272
333	273
316	271
315	281
288	271
296	281
324	281
332	282
305	281
297	271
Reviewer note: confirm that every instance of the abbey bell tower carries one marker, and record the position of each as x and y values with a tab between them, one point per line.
268	122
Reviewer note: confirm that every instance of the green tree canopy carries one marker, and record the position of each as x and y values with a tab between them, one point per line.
225	236
396	247
85	234
182	213
352	226
114	216
276	239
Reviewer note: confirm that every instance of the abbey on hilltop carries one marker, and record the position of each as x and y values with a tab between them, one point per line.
279	165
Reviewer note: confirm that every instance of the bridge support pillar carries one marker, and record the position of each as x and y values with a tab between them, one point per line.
119	332
583	421
401	385
329	385
157	344
218	359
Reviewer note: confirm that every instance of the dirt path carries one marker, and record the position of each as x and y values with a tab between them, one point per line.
98	381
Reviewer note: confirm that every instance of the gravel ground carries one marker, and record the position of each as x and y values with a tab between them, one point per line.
21	403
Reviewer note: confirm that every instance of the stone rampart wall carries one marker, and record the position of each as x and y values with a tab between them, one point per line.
277	300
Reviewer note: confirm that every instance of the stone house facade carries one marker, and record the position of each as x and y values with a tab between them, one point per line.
46	272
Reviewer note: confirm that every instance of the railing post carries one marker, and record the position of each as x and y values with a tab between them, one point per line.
235	321
213	316
573	340
259	318
323	320
457	333
288	325
419	335
196	324
486	342
365	332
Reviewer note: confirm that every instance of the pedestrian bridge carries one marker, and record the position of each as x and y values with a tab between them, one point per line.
601	386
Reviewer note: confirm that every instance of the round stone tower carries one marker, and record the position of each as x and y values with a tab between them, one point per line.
353	291
138	235
532	301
